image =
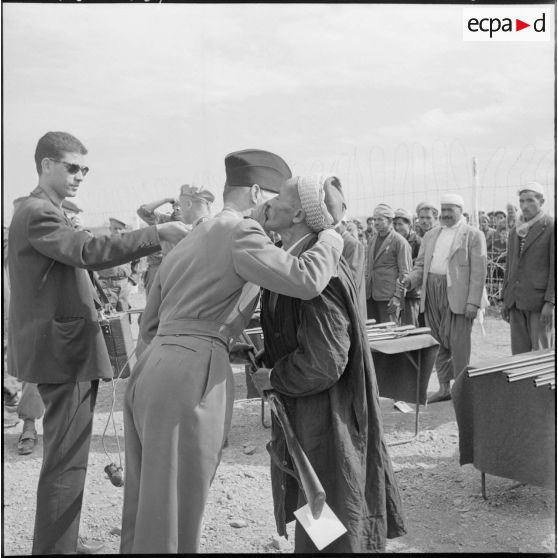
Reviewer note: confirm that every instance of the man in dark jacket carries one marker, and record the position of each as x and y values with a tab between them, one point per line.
402	224
54	336
321	365
530	276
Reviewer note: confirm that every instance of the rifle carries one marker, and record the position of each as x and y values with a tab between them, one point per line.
306	476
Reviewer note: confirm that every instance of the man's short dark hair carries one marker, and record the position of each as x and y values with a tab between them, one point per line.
54	145
369	220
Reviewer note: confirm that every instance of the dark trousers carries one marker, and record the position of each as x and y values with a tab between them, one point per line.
528	333
67	427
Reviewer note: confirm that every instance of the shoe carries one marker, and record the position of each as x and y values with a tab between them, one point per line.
443	394
12	400
10	419
27	441
84	547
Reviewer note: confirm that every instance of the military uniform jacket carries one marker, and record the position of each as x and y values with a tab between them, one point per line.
210	278
530	278
53	327
323	370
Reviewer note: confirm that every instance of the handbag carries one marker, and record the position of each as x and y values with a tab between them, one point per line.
117	334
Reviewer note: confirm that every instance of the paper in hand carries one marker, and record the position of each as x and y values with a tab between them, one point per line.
322	531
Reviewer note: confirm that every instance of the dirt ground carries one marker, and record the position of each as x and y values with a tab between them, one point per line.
444	508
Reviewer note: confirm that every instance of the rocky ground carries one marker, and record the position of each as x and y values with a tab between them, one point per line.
444	507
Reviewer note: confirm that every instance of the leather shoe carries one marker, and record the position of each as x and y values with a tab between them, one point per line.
84	547
443	394
27	441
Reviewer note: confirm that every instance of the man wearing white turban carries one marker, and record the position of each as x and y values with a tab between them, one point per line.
451	267
319	361
389	258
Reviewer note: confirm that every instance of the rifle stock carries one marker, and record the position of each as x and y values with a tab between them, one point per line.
311	485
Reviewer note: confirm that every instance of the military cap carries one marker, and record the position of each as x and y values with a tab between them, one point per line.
254	166
196	193
116	222
403	214
69	205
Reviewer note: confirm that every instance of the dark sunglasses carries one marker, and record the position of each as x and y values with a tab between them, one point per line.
72	168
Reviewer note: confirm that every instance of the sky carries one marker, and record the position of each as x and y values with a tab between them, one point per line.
390	98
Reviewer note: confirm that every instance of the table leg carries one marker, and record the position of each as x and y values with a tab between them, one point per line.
483	485
417	395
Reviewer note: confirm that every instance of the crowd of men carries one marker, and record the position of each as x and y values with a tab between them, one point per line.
283	242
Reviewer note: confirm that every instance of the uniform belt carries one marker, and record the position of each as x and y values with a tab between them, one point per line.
194	326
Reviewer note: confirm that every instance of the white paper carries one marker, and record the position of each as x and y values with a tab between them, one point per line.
322	531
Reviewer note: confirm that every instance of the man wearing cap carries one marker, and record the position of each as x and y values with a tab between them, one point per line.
193	207
427	213
148	214
54	336
402	225
389	258
116	281
530	275
178	403
319	362
451	270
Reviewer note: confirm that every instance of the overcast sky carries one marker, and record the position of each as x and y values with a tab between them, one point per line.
389	97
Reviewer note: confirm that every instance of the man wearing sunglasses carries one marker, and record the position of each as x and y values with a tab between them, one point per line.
54	336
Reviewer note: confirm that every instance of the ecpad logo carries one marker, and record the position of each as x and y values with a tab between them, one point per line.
507	24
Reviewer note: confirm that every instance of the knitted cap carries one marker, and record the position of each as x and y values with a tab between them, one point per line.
312	199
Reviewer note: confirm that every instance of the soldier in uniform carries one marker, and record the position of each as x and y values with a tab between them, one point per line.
116	281
193	207
178	403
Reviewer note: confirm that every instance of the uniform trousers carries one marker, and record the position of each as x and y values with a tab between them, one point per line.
31	406
452	331
528	333
177	413
67	427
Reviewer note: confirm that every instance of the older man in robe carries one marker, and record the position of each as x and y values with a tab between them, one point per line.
178	403
451	269
320	363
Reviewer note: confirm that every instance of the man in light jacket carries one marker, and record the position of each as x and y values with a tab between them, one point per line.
451	270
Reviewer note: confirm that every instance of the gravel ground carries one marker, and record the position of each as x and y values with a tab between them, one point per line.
443	504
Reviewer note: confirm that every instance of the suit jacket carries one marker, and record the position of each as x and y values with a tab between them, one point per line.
392	260
466	267
530	278
53	327
213	274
